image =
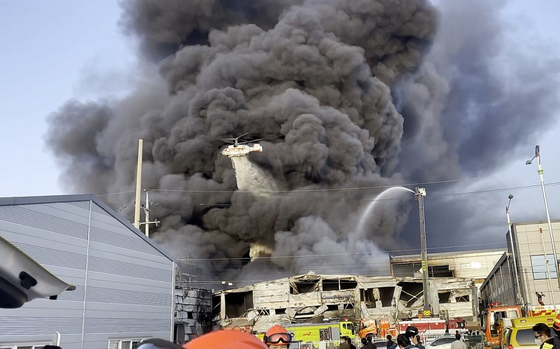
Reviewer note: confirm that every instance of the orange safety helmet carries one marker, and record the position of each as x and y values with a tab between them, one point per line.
277	334
224	339
556	325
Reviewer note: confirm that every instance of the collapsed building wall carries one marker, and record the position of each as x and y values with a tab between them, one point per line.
316	298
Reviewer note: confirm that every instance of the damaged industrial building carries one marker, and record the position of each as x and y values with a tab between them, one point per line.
454	279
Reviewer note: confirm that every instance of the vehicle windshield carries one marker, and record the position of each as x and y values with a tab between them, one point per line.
527	337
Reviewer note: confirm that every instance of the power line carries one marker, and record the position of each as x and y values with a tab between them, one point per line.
497	189
336	254
117	193
308	189
484	191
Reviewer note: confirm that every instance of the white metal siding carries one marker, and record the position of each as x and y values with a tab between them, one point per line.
129	282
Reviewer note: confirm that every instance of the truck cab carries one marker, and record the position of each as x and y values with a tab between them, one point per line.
490	322
520	334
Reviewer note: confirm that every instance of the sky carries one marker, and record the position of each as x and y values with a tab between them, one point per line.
65	49
53	51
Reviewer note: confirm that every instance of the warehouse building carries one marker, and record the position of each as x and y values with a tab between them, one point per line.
125	283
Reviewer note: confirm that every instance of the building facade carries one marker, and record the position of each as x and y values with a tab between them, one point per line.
470	265
313	298
124	282
525	269
499	286
464	265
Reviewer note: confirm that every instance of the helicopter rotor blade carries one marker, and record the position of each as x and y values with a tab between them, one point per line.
251	141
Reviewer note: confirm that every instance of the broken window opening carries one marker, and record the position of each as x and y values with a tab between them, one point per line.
462	299
444	297
304	287
338	284
405	270
410	269
330	285
293	288
216	302
367	297
348	284
280	311
411	292
440	271
238	303
332	307
261	312
386	296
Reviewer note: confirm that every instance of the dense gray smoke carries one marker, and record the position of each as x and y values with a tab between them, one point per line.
479	96
348	96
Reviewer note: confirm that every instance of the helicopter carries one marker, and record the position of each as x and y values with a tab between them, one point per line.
238	148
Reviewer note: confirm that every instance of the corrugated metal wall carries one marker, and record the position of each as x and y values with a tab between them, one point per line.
124	286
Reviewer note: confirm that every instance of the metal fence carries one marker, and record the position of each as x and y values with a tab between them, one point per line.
333	344
474	341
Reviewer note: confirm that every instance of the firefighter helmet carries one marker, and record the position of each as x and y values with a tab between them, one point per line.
411	331
158	343
277	334
226	340
556	325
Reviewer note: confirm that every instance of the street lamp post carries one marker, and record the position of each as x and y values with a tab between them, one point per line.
518	295
552	241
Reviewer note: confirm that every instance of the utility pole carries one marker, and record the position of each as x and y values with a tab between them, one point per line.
419	194
517	289
138	186
147	216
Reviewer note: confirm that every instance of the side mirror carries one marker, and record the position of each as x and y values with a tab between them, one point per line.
22	279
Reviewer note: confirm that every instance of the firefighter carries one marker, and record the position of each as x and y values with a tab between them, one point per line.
542	336
403	342
225	340
556	328
412	334
277	337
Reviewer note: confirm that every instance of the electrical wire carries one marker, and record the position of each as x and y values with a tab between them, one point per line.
386	252
340	267
475	192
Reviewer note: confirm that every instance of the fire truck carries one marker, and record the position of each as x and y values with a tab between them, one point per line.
385	328
541	311
328	331
432	327
490	322
369	327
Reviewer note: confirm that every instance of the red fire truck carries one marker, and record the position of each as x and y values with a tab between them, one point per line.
432	327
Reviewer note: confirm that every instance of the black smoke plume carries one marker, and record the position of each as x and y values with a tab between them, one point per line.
349	97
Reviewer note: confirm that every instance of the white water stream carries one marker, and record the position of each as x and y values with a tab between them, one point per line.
385	195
